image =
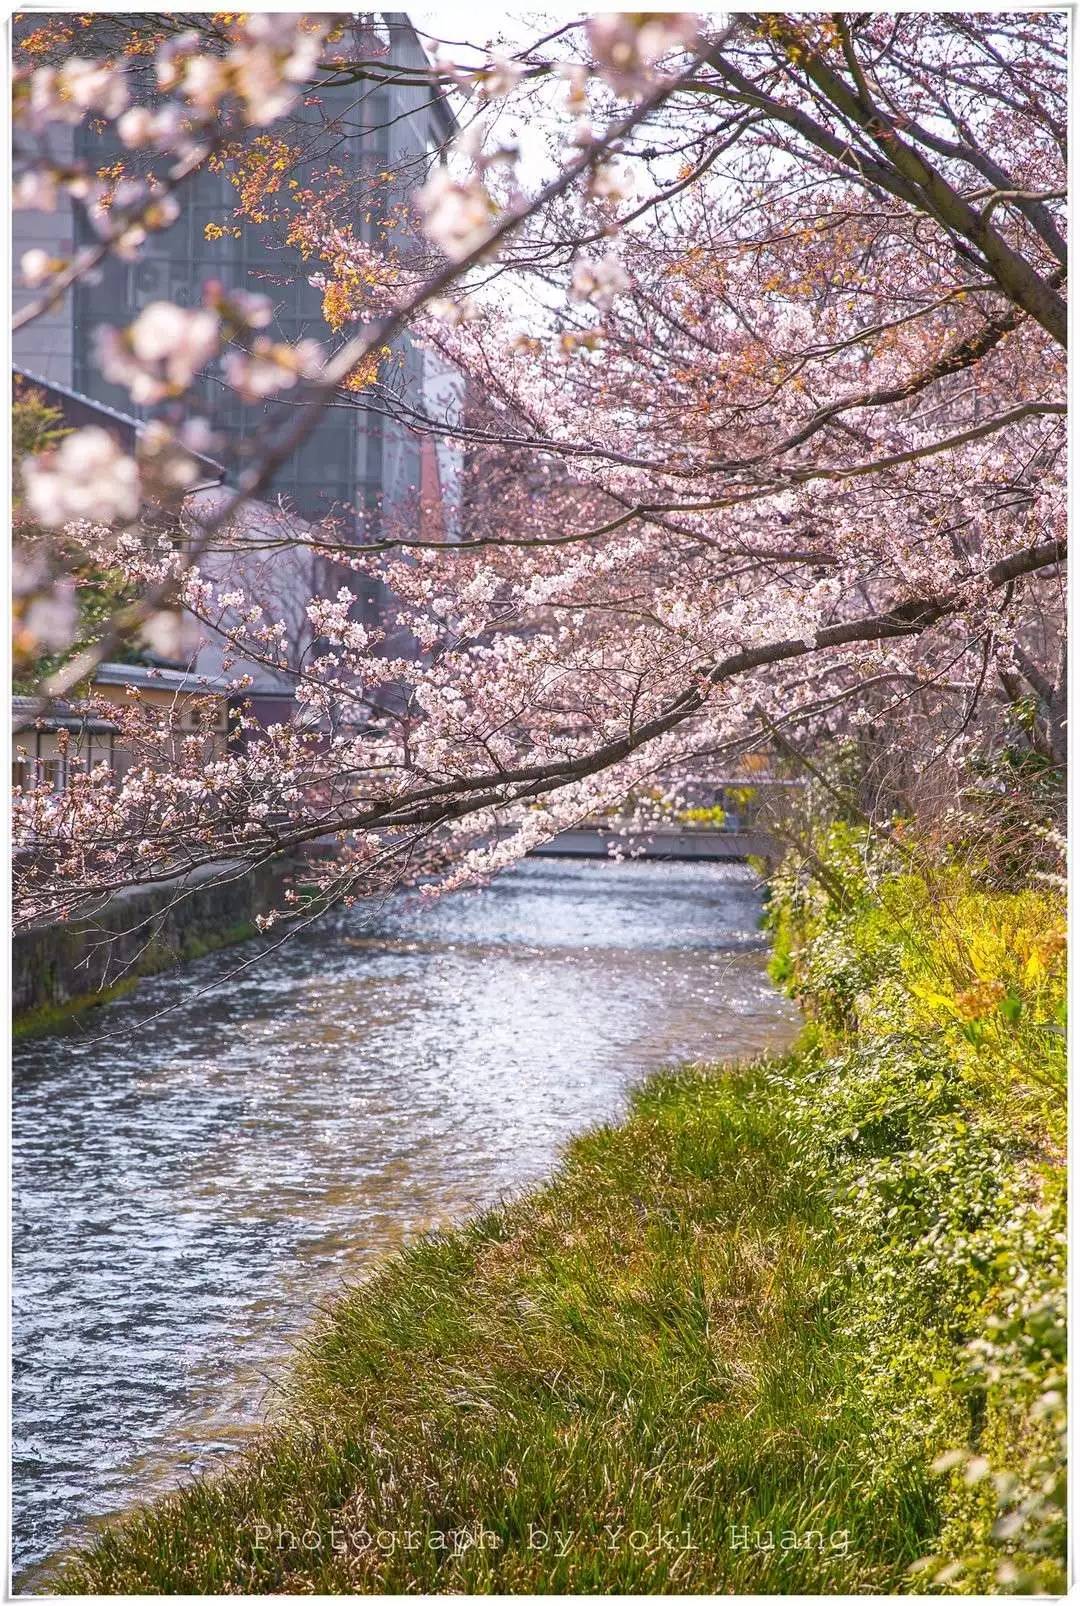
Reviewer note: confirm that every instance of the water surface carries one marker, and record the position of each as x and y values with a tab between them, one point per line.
189	1187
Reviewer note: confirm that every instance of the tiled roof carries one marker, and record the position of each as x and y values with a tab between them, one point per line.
30	713
150	675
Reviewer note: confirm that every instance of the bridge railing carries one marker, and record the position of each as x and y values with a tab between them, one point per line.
732	805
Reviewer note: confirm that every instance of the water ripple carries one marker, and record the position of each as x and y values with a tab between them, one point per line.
188	1187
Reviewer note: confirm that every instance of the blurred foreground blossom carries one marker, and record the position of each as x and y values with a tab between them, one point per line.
37	267
599	282
271	366
68	93
501	77
275	54
161	352
86	477
51	620
457	216
627	44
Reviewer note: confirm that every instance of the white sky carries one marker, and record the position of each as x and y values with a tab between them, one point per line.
482	24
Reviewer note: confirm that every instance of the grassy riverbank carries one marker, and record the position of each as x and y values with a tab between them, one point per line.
791	1327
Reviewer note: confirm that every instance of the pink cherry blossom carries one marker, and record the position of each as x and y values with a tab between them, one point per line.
627	45
457	214
806	480
86	476
599	282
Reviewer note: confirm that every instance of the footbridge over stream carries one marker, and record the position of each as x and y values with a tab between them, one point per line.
669	842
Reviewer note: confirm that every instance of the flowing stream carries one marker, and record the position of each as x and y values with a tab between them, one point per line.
195	1171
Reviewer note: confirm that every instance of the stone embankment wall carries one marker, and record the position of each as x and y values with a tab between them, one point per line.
58	970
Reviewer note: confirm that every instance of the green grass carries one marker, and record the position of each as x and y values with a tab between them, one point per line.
630	1364
791	1327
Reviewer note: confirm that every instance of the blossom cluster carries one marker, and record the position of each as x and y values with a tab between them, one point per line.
764	456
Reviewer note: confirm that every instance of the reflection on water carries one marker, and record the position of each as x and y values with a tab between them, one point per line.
190	1187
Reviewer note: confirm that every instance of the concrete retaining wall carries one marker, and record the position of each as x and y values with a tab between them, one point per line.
57	969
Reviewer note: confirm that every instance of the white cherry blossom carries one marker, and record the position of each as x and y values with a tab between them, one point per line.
161	352
37	267
457	214
88	476
271	367
628	44
599	282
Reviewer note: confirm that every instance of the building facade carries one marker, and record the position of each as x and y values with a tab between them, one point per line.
355	462
357	467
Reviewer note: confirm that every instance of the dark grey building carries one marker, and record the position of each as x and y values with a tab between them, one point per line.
354	460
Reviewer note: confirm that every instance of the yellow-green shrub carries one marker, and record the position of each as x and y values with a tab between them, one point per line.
934	1102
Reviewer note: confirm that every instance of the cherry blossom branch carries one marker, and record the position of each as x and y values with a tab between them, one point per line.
258	478
897	168
457	797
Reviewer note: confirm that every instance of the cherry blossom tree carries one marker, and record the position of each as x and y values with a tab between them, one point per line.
765	368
